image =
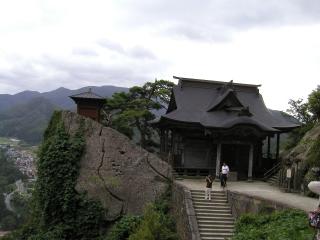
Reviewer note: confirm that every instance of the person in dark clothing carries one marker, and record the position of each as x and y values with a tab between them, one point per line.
209	181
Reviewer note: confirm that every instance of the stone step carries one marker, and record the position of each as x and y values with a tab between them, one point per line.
212	193
218	227
197	191
218	234
215	226
212	198
215	214
216	230
215	238
213	211
214	218
220	207
209	202
215	222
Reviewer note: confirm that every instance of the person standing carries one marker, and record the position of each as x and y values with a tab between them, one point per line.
224	174
209	181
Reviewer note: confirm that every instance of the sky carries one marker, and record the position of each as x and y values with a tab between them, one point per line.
47	44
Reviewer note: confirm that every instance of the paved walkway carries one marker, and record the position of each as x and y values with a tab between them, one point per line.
258	189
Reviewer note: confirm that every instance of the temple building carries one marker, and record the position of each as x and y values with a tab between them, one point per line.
211	122
89	104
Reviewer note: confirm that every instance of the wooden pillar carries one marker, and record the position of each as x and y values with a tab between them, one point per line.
162	141
166	138
250	163
268	153
218	159
278	146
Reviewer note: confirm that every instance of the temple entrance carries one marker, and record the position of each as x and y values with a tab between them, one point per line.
236	156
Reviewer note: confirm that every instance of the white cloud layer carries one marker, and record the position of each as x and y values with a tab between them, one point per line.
47	44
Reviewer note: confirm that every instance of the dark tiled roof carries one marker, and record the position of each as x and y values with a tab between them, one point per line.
196	101
87	95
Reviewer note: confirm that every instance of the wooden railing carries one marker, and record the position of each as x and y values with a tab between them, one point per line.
272	171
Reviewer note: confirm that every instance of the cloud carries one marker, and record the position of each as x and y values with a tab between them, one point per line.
137	52
110	45
86	52
214	20
50	72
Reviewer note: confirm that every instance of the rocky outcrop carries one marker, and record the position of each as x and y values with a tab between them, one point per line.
121	175
302	150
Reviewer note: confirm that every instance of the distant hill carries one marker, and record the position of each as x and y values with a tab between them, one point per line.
27	121
59	97
25	115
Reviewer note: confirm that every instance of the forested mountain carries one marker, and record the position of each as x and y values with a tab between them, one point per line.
59	97
25	115
27	121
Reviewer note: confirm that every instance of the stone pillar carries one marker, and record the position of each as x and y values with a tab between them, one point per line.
218	161
250	163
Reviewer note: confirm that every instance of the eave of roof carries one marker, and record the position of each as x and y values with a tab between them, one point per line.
87	95
214	81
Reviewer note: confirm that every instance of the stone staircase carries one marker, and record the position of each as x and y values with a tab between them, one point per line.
215	221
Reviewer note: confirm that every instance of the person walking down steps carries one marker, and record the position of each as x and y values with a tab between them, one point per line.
209	181
224	175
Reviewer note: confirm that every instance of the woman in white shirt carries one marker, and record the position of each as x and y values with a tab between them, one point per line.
224	174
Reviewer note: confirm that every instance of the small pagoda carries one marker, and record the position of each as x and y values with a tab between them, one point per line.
89	104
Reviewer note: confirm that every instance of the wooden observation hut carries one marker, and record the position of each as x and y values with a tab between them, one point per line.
89	104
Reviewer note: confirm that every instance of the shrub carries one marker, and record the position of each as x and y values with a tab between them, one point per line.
124	227
279	225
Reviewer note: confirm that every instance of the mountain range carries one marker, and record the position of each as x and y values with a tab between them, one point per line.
25	115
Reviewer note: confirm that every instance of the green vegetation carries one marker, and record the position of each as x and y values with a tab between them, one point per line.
279	225
155	224
27	121
314	103
130	111
307	113
124	227
58	211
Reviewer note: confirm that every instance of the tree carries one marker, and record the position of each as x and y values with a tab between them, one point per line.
132	111
314	103
300	110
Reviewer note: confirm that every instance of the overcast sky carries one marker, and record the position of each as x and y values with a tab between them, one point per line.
46	44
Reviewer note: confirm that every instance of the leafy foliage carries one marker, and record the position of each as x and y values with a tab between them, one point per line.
307	113
124	227
59	211
300	110
314	102
157	224
297	134
134	109
279	225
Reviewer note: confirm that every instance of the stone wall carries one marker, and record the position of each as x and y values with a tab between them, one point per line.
243	203
115	171
184	214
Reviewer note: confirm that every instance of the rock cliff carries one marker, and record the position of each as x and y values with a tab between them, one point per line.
302	150
121	175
